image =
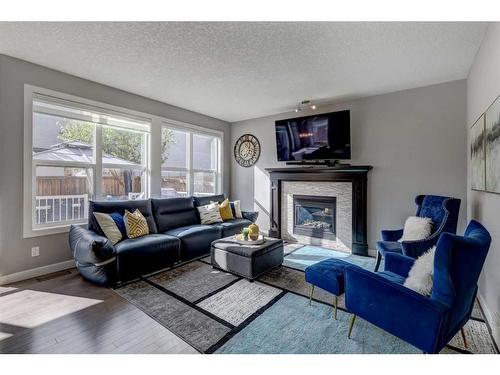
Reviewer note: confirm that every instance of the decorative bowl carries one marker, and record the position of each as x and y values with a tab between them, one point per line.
239	238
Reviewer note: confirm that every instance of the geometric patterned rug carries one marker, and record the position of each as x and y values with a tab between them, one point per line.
217	312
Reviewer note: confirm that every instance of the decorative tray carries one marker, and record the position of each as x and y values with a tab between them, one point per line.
240	240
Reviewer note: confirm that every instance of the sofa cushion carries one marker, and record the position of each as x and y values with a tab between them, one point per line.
420	276
389	247
226	212
138	256
232	227
171	213
195	239
236	207
112	225
203	201
108	207
416	228
209	214
135	224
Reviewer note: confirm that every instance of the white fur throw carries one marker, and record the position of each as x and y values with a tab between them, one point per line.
420	277
416	228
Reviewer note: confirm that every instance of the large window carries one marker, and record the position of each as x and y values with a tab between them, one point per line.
190	163
81	153
83	150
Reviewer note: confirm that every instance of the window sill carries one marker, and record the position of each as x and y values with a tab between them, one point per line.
47	231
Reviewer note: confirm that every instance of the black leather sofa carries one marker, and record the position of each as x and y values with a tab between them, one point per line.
176	235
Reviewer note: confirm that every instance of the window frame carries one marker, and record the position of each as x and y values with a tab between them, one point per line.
189	170
145	163
31	93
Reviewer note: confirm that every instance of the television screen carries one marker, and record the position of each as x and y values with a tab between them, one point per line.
320	137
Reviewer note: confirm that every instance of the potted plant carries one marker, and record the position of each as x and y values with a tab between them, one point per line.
245	232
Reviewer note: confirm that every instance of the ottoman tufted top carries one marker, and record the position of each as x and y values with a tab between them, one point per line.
328	275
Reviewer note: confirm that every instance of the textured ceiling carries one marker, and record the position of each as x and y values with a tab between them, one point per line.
235	71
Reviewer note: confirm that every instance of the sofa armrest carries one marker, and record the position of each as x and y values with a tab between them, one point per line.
95	256
392	235
250	215
406	314
88	247
398	263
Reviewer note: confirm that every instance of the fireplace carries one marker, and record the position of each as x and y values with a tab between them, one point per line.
314	216
347	183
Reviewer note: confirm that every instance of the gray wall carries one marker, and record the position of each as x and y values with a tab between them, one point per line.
483	86
414	139
15	252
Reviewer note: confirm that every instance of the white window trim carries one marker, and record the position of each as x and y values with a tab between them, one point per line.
198	130
31	93
153	153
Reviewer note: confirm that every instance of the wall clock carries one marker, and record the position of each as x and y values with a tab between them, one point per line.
247	150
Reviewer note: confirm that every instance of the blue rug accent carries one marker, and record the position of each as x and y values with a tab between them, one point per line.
308	254
292	326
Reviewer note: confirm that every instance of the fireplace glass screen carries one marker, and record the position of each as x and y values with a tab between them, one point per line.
314	216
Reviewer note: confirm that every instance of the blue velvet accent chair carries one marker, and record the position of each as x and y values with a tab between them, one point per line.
428	323
444	214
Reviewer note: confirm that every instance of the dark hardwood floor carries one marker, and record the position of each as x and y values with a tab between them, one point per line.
63	313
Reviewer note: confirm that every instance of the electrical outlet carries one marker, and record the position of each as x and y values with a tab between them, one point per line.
35	251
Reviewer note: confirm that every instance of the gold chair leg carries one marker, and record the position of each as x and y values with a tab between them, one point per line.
464	338
311	296
353	319
335	302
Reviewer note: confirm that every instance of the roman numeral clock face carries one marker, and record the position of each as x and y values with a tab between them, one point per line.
247	150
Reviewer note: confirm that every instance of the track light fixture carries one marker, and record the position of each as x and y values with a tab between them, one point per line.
305	104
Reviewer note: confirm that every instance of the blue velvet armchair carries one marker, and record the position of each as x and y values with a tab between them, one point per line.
428	323
444	214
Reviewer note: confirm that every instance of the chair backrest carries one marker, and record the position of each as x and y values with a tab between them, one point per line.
442	210
457	265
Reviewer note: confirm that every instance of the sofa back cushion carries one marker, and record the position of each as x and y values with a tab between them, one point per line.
171	213
109	207
203	201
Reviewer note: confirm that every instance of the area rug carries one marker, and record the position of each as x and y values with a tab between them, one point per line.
217	312
302	256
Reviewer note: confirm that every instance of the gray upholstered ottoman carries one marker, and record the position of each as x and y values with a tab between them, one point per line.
249	261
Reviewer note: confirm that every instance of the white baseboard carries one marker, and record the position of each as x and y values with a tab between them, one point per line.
492	318
35	272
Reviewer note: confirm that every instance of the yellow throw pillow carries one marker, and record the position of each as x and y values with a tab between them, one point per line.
135	224
225	210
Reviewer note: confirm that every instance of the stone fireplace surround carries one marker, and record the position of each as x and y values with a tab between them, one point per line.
341	190
323	180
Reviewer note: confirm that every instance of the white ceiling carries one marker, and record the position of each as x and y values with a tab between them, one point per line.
235	71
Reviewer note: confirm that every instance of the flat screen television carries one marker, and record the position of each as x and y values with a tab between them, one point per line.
325	136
